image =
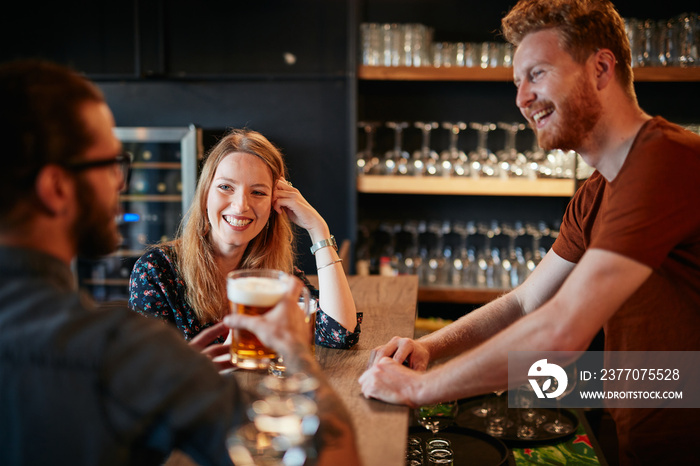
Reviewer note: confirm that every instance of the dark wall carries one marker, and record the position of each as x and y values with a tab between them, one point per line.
279	67
306	119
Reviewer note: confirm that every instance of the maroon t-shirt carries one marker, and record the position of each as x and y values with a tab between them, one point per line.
649	213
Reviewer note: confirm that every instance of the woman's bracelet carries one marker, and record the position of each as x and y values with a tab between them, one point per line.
324	244
329	264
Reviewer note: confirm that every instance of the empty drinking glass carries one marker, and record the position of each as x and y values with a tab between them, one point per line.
667	55
497	421
392	38
414	451
416	45
396	156
528	418
688	25
279	431
429	158
366	158
371	43
491	54
512	162
560	425
454	161
483	160
443	54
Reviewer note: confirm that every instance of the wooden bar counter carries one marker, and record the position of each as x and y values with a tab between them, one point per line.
388	305
389	308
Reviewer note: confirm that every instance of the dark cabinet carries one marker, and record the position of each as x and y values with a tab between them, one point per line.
179	39
160	190
301	38
97	38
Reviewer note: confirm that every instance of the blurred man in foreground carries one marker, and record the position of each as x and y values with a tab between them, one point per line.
85	386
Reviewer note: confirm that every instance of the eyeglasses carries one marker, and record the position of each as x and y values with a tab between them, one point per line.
122	162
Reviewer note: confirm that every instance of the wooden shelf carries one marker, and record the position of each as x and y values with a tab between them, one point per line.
451	294
544	187
430	73
663	74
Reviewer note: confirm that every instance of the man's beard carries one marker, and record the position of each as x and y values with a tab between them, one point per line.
578	113
95	229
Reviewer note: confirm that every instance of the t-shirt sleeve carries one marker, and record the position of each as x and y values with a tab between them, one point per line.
576	226
653	208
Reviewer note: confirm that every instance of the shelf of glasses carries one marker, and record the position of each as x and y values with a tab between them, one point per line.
430	73
459	295
150	198
384	184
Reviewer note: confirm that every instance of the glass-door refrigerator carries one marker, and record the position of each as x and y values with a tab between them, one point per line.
160	189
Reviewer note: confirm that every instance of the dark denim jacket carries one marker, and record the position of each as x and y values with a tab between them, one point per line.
84	386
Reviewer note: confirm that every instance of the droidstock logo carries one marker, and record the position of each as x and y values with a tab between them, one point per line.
542	368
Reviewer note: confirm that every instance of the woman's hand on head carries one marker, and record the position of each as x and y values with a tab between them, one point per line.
288	199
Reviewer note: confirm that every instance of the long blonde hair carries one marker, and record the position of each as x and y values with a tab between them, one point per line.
272	248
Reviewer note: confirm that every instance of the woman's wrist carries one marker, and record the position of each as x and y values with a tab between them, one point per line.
319	232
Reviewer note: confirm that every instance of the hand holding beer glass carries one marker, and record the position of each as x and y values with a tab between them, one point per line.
254	293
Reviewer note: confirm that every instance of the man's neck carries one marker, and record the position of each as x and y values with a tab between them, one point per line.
40	238
607	148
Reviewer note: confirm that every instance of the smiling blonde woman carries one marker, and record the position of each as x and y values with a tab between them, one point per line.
241	218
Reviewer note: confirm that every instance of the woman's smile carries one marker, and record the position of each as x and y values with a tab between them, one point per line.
238	222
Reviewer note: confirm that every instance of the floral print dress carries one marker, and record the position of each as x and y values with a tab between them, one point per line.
157	289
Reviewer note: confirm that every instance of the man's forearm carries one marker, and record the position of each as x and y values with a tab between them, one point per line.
473	328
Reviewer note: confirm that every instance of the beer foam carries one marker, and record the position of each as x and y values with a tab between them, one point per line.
256	291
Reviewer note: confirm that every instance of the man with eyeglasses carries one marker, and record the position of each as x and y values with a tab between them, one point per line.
87	386
121	163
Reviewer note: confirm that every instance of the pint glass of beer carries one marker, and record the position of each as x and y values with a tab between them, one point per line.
254	292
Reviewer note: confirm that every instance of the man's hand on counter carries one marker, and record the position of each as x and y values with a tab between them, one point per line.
405	351
389	380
